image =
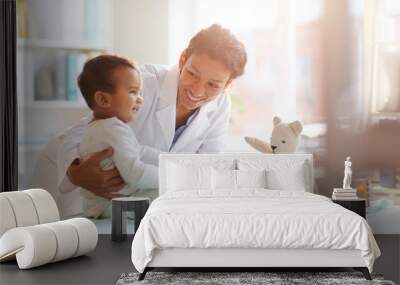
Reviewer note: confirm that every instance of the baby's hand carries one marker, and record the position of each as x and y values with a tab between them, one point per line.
89	175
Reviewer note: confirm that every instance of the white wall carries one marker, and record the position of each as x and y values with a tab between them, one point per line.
141	30
182	26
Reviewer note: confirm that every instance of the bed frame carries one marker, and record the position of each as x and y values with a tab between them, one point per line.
249	259
246	259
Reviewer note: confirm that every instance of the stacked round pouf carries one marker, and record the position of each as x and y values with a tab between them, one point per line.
31	232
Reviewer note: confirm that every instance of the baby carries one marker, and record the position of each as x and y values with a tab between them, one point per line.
111	86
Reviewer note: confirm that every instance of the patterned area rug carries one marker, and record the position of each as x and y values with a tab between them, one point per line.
229	278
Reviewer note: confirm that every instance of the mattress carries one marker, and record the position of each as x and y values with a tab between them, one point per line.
250	219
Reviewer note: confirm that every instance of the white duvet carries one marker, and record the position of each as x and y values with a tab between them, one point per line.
250	218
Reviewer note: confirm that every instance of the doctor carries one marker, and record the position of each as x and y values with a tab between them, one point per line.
184	110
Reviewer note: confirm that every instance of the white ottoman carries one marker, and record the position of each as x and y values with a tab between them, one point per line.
31	232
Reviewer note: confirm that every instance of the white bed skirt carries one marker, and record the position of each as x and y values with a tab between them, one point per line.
192	257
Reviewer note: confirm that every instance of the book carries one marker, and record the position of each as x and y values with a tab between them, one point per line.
344	198
82	58
72	20
46	19
345	194
22	18
44	85
71	76
341	190
59	70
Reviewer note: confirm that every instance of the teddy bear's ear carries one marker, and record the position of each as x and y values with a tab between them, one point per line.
296	127
276	120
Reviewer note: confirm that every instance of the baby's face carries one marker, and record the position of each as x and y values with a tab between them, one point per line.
126	99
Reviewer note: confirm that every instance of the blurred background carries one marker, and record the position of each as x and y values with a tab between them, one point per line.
333	65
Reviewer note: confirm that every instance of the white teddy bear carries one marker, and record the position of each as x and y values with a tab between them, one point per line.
284	138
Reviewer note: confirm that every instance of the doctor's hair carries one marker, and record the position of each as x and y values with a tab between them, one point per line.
97	75
220	44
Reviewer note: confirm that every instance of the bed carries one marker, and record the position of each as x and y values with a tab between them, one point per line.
247	210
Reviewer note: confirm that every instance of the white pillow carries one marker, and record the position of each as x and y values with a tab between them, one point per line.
182	177
251	178
223	179
293	180
281	174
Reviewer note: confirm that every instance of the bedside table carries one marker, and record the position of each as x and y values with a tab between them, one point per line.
120	206
356	205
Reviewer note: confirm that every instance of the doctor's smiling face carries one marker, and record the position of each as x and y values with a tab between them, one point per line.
213	58
201	80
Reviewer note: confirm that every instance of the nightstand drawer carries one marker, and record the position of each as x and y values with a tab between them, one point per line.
357	206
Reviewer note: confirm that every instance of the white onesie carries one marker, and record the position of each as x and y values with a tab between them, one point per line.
101	134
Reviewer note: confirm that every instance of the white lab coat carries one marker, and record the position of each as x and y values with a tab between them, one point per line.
155	124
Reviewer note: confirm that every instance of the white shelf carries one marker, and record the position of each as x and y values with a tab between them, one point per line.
385	115
57	104
31	147
50	44
379	192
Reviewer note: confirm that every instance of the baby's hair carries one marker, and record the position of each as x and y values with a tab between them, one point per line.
97	75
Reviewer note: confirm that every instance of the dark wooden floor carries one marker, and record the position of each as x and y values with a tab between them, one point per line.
389	262
102	266
110	260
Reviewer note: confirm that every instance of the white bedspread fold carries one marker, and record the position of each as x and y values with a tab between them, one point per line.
250	218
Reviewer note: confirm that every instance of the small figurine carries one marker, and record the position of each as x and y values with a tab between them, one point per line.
347	174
